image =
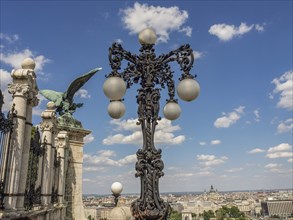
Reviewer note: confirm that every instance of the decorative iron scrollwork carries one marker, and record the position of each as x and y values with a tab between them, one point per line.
38	149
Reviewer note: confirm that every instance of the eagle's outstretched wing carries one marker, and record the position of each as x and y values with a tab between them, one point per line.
78	83
53	96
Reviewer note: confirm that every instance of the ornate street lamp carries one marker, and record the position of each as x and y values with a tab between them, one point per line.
116	189
153	74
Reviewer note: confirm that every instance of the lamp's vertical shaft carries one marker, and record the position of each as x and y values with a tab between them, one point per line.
149	165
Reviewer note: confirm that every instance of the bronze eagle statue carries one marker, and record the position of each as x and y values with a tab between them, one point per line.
64	100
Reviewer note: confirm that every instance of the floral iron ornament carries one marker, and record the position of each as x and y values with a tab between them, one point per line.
153	74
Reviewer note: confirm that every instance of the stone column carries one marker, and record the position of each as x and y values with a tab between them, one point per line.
31	102
73	182
21	89
48	128
62	149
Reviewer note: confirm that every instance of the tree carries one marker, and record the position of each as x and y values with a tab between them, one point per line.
175	215
221	214
90	217
208	214
232	212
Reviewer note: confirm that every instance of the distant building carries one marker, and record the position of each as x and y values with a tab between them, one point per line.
212	194
186	215
90	212
177	206
282	208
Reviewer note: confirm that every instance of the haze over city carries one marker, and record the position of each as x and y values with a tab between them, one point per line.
237	135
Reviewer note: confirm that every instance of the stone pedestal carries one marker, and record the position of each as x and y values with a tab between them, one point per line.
73	181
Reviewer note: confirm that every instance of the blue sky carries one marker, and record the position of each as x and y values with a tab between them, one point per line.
236	136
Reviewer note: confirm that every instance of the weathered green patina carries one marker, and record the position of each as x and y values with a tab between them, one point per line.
64	100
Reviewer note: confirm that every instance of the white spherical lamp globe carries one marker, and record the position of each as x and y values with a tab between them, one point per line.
116	188
114	88
147	36
172	111
188	89
116	109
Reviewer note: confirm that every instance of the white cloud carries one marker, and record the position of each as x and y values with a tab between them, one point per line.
202	143
280	151
5	79
226	32
229	118
285	126
215	142
210	160
15	59
234	170
87	168
9	38
272	165
126	125
205	157
187	30
106	153
280	147
259	27
89	138
257	115
205	173
256	150
183	175
130	159
283	87
163	135
119	41
37	110
83	93
275	168
279	155
290	160
197	54
103	159
163	20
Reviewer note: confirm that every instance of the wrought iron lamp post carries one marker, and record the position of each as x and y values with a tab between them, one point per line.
116	189
153	74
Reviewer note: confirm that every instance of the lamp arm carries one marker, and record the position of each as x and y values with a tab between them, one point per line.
183	56
116	55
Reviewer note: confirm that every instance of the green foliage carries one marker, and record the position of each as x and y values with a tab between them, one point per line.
226	212
208	214
33	132
175	215
275	216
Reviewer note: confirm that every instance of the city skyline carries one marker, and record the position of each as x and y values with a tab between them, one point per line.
236	136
